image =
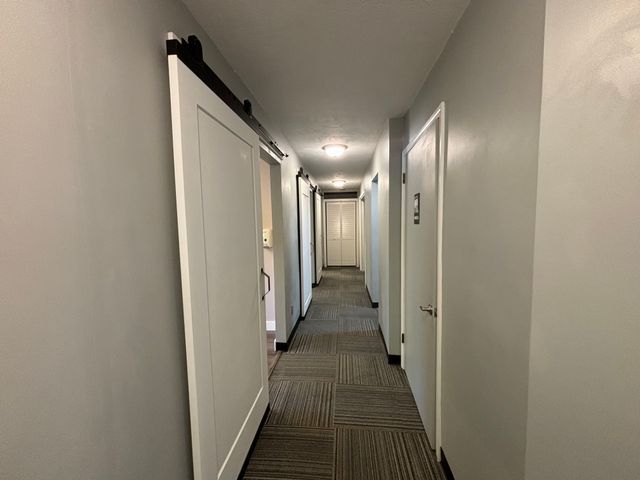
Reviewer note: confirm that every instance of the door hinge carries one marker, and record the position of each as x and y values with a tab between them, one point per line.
404	177
402	339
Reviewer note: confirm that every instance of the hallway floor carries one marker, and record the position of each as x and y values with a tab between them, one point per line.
338	409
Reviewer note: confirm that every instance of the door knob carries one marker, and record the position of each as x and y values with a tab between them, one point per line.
430	309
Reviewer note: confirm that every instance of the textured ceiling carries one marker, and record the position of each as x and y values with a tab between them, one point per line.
331	71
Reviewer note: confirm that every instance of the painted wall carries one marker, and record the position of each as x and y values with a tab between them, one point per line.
92	361
584	408
490	77
387	164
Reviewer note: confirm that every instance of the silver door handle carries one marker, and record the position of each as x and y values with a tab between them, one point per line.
430	309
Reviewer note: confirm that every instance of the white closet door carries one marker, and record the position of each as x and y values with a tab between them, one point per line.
334	238
348	233
216	158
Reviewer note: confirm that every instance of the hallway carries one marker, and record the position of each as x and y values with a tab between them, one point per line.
338	409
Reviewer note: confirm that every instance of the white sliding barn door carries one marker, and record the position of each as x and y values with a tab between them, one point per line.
306	244
318	231
216	159
341	222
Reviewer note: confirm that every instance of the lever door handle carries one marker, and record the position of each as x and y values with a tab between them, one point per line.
268	282
430	309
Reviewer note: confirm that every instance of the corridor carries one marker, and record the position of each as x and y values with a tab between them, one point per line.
338	409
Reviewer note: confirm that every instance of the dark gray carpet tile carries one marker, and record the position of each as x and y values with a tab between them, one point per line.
292	453
376	407
384	455
322	311
323	343
355	311
355	287
360	344
305	367
369	370
354	299
301	404
319	326
359	326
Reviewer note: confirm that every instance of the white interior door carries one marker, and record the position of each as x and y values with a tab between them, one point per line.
341	233
318	231
348	233
306	261
216	158
421	237
334	236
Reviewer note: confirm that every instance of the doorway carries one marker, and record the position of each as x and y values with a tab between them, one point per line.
305	246
269	262
421	316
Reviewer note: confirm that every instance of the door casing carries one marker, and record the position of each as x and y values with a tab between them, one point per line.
438	116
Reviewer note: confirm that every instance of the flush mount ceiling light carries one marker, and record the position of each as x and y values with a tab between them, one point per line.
334	150
339	183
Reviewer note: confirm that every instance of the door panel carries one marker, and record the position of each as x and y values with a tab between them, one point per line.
233	288
421	275
306	260
334	241
215	157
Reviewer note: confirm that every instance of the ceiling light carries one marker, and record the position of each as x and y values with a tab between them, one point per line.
339	183
334	150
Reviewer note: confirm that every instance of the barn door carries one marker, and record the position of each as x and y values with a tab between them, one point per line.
217	195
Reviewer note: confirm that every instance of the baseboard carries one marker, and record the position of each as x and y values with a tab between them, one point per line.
391	359
448	474
255	440
373	304
284	346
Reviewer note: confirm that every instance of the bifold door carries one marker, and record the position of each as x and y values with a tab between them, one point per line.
218	202
341	233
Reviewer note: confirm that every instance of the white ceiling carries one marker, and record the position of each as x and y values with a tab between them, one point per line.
331	71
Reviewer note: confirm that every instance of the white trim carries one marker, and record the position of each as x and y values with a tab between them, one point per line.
439	114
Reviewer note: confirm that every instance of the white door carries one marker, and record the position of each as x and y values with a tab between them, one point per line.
348	233
216	158
318	231
306	261
334	236
421	228
341	233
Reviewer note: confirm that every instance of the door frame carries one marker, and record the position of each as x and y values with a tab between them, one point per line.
357	226
277	228
438	116
304	177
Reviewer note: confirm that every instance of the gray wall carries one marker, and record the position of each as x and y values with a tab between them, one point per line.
92	361
387	164
584	395
490	77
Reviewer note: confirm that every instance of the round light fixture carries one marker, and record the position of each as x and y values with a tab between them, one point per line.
339	183
335	150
